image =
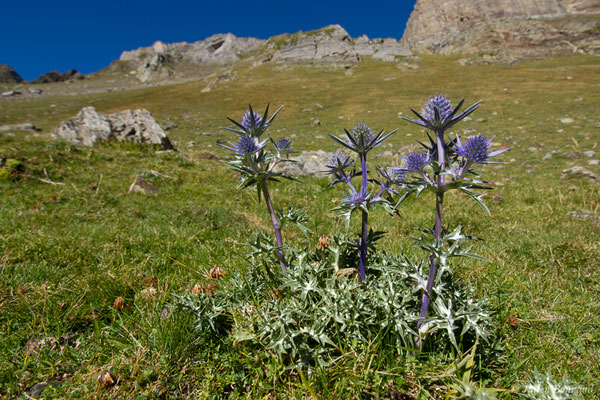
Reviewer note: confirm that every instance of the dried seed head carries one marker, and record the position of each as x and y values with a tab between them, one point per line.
323	242
198	288
215	273
210	288
151	280
107	380
119	303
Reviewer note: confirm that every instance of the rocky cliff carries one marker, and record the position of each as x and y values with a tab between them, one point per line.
519	28
329	45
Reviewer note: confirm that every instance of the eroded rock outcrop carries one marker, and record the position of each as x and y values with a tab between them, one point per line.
524	28
158	60
90	126
329	45
9	75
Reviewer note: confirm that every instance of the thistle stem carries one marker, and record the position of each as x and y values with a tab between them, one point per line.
365	219
437	230
275	223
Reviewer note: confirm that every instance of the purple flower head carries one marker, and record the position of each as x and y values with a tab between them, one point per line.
338	162
416	161
361	139
362	133
477	149
438	114
246	145
284	145
439	103
253	123
248	122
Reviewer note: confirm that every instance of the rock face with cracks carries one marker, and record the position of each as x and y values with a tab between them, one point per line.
520	28
89	126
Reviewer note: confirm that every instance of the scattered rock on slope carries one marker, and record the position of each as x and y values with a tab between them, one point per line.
580	172
89	126
9	75
307	163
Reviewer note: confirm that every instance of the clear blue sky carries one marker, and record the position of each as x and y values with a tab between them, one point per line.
40	36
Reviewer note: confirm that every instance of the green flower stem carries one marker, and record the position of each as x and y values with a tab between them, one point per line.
275	223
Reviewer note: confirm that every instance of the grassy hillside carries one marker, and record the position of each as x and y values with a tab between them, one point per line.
67	251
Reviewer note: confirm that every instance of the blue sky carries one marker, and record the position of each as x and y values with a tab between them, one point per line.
40	36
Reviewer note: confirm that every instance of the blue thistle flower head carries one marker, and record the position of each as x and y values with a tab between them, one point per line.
361	139
337	163
438	114
416	161
284	145
253	123
437	103
362	133
251	120
477	149
246	145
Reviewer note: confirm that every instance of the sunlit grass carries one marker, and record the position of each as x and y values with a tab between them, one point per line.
67	251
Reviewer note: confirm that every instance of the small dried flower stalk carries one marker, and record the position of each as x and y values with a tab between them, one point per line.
119	303
215	273
323	243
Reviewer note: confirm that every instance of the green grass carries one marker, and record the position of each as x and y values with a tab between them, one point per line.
67	251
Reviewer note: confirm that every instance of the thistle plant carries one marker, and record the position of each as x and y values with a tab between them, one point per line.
444	166
255	161
360	140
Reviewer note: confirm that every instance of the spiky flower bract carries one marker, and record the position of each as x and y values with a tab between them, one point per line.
252	123
338	162
361	138
438	115
476	149
356	197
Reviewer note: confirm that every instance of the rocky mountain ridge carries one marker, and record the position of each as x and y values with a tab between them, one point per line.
512	29
9	75
329	45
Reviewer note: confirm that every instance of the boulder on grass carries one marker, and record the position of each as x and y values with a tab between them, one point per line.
90	125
